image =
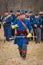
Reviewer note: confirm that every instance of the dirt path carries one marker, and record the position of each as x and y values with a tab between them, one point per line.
9	54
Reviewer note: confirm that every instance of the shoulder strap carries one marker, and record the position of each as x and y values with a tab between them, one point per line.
25	26
6	17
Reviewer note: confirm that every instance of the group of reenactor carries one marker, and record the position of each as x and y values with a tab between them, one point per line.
20	26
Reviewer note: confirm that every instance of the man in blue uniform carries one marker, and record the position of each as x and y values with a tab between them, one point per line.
37	28
14	17
23	29
27	15
17	13
41	14
7	19
32	17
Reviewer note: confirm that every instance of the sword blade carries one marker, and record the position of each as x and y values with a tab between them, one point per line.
25	36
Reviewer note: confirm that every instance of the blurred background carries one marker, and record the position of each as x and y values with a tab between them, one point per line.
35	5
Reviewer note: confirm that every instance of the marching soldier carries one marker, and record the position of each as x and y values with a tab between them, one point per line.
22	28
14	17
37	28
7	19
32	17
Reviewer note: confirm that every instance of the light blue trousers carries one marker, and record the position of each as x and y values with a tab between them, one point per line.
38	34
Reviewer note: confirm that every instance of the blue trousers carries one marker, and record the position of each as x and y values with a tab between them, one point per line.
7	31
23	47
37	32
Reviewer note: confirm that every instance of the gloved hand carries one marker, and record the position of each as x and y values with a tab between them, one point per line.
29	35
14	26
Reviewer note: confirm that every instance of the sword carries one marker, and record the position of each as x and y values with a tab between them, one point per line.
25	36
28	36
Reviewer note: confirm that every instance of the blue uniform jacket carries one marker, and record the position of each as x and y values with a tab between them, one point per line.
21	41
32	17
9	19
37	21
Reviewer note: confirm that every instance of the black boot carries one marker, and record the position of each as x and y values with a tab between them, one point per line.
20	53
24	56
